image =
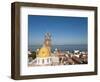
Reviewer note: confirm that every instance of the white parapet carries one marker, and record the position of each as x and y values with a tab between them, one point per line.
43	61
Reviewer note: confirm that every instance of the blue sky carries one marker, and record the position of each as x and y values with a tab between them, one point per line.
64	30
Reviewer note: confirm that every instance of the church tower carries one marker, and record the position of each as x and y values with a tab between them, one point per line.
44	53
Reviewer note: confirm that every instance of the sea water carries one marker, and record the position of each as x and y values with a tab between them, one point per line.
71	48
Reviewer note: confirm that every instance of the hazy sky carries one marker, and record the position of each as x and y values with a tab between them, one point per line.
64	30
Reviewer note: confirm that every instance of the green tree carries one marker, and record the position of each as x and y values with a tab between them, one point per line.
33	55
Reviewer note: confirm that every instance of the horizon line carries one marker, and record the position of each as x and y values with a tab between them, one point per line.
59	44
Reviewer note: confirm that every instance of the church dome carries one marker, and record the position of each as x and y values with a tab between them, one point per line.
44	52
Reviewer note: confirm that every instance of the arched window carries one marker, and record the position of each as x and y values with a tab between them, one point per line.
48	60
42	61
38	61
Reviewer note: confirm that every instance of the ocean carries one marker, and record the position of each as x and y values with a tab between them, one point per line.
70	48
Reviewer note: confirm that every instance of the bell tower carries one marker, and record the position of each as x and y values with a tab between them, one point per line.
44	54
